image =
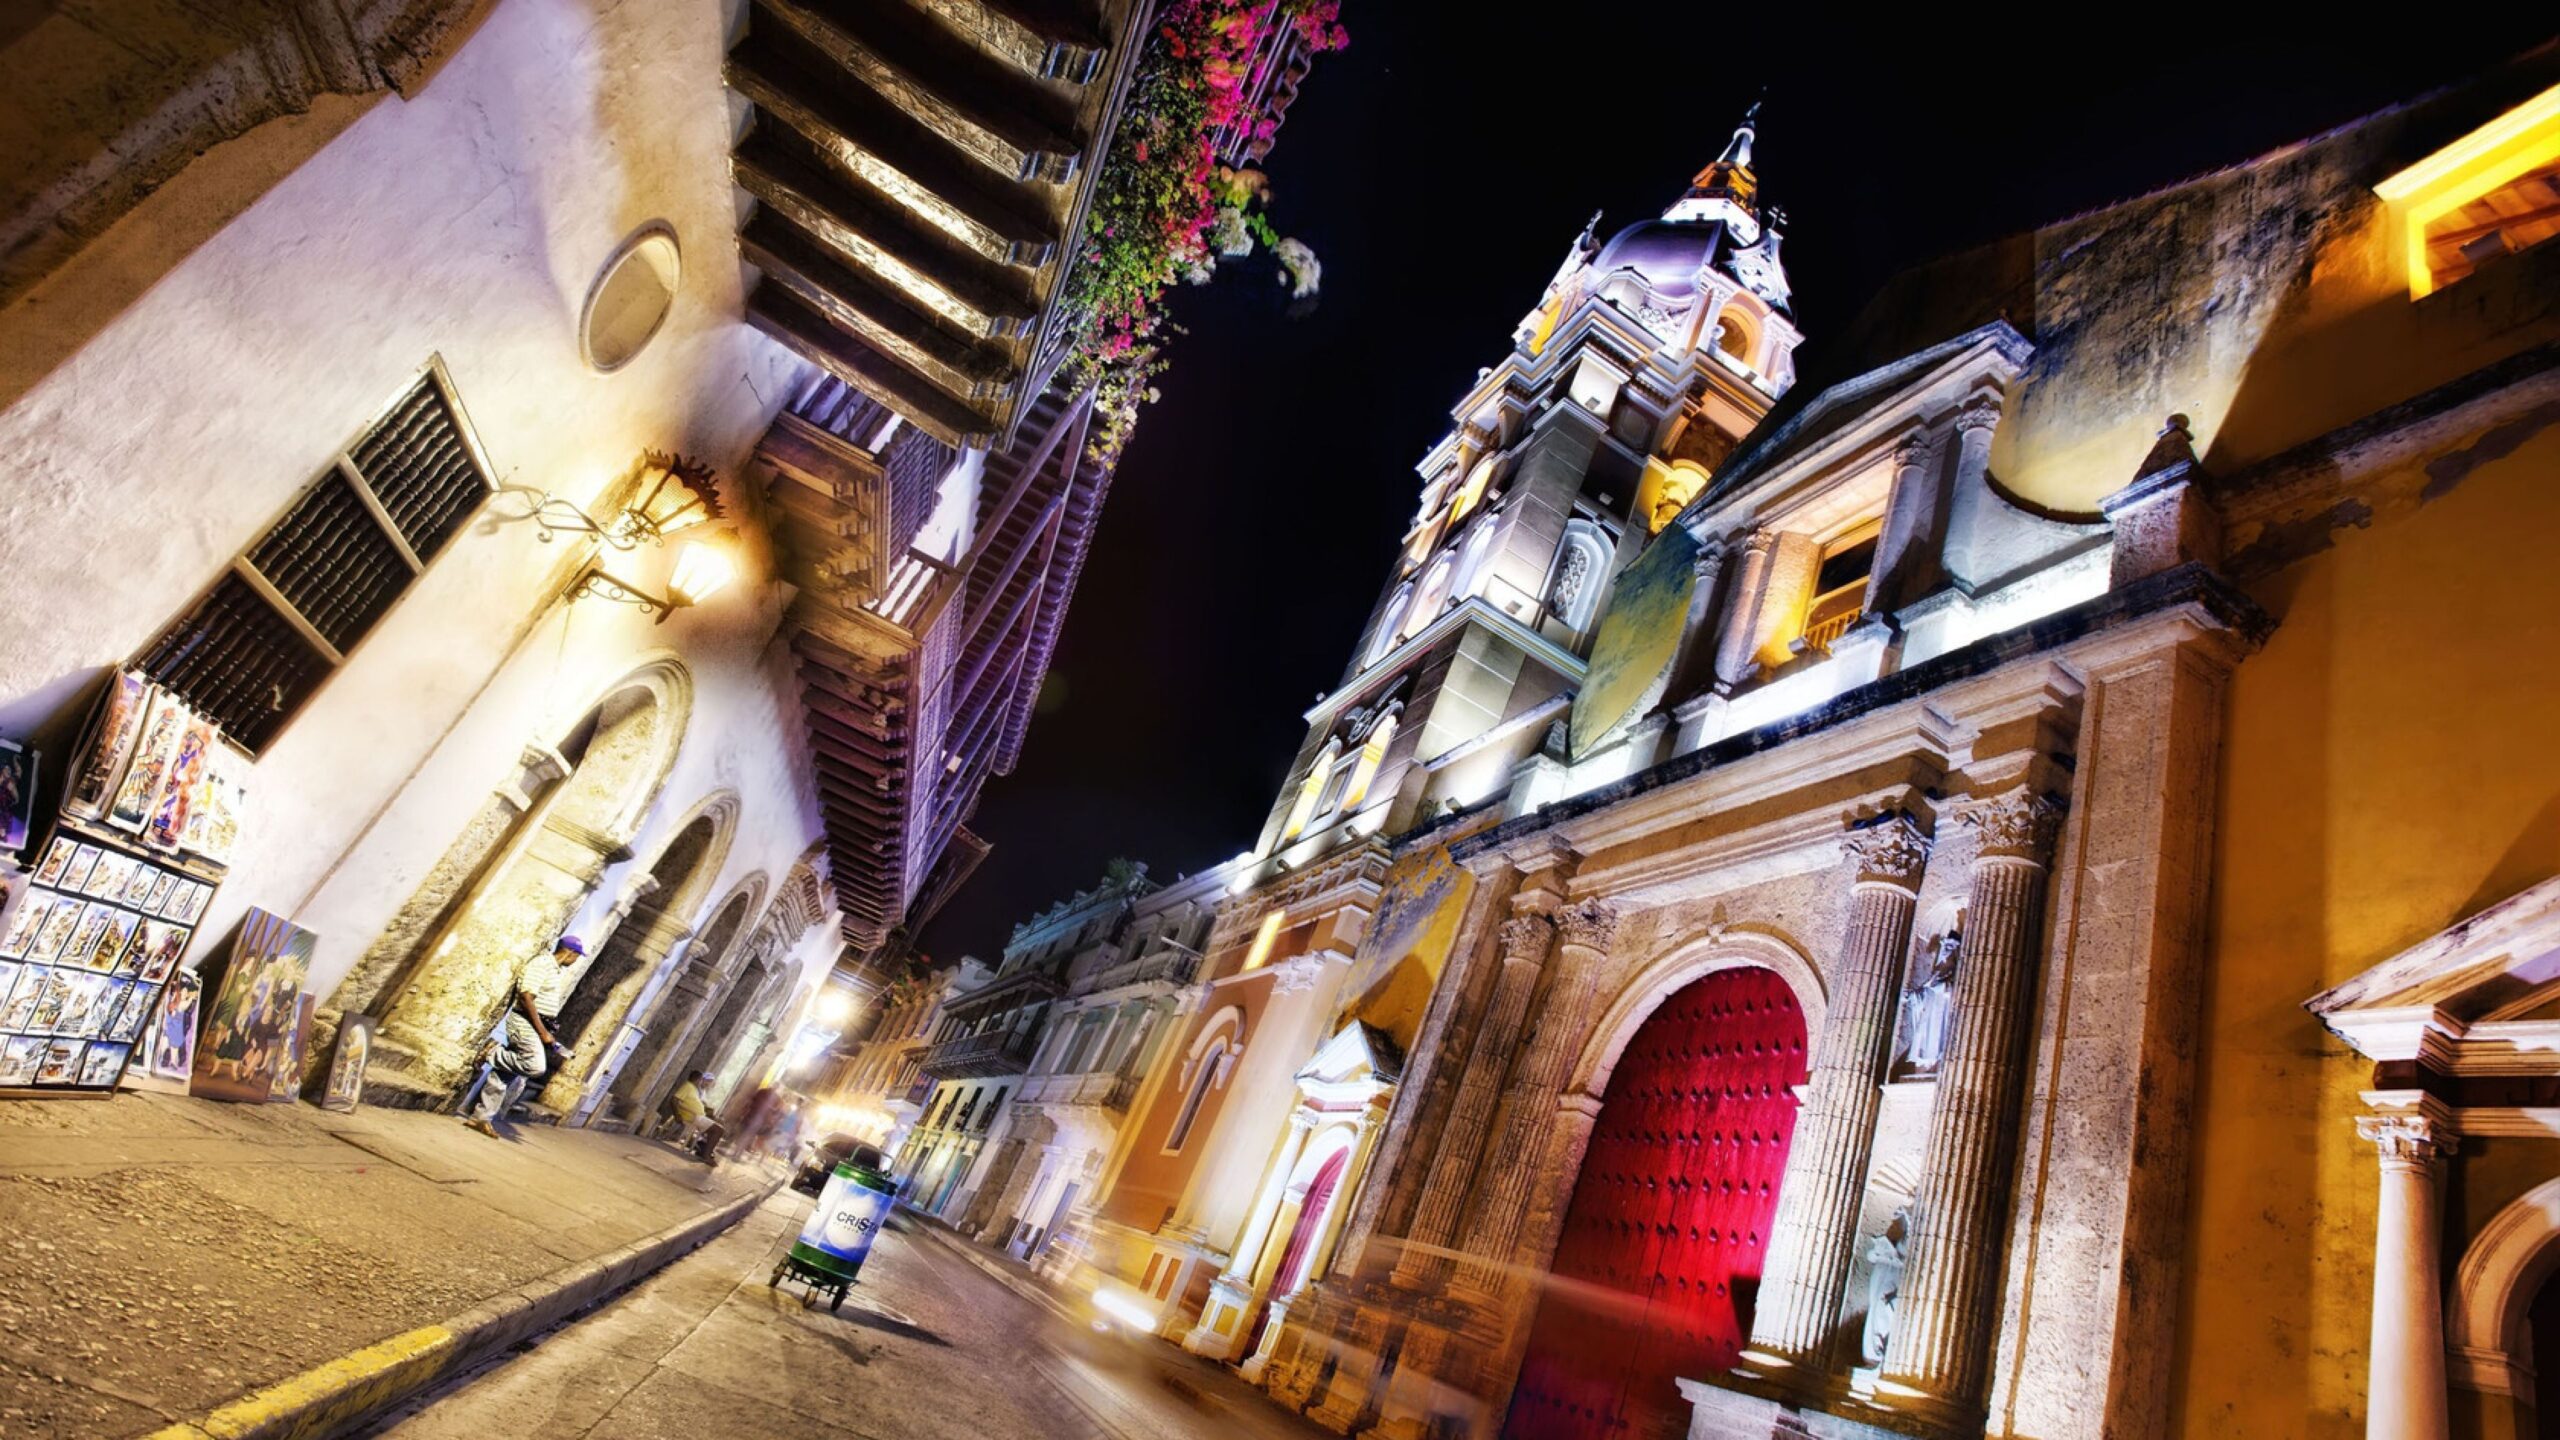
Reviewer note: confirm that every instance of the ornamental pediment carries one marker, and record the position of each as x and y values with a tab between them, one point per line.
2482	988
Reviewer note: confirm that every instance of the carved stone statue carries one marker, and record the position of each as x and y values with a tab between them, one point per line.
1928	1002
1884	1290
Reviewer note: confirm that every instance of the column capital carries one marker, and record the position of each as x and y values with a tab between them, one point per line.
1525	936
1708	559
1912	451
1304	1121
1760	541
2017	826
1590	925
1890	850
2409	1130
1979	415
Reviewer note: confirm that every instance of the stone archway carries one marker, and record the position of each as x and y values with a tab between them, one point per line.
665	897
750	986
634	1091
509	884
1671	1211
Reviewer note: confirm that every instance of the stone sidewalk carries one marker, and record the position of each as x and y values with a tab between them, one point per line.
161	1256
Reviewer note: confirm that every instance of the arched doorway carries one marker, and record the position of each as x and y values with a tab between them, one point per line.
1669	1222
506	887
672	1020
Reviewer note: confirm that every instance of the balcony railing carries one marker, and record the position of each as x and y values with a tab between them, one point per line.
971	1057
1167	962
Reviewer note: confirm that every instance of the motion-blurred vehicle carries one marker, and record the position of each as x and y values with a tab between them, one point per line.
823	1156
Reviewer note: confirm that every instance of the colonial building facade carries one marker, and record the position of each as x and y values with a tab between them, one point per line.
1837	983
876	1090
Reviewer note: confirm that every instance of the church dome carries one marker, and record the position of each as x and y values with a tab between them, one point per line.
1666	254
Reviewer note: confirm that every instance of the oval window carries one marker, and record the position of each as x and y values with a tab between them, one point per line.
631	299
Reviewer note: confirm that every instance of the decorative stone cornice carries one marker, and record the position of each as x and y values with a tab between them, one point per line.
2017	826
1889	851
1590	925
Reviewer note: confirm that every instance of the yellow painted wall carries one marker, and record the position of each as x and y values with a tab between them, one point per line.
2392	764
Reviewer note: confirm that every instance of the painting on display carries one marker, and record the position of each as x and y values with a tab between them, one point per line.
98	764
345	1090
17	794
167	1060
249	1021
213	824
287	1078
164	729
165	826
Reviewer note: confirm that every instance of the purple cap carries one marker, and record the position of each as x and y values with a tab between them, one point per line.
572	944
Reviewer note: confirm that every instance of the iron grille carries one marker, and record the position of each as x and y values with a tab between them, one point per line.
246	658
330	559
418	465
236	661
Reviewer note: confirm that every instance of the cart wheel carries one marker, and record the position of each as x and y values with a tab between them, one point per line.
836	1304
775	1279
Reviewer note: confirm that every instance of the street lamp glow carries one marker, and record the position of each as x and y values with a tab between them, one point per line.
702	571
834	1008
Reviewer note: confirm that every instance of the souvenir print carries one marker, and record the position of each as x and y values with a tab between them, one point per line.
107	878
28	923
20	1010
61	1062
56	934
214	826
51	999
136	1012
164	728
162	884
115	940
17	794
76	873
345	1089
191	909
109	1004
10	970
82	994
167	1055
19	1058
166	826
158	947
250	1020
137	890
103	1062
99	761
57	858
288	1071
84	935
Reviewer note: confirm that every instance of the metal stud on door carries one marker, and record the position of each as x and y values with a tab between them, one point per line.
1668	1227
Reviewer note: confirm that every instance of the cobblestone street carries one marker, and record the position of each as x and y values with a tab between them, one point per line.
927	1347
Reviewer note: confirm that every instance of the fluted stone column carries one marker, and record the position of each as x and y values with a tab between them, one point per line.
1814	1237
1525	939
1583	936
1949	1307
1692	664
2405	1389
1915	524
1735	649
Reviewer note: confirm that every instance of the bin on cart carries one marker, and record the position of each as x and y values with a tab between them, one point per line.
837	1238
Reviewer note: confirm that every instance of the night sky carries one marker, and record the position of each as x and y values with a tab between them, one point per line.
1439	167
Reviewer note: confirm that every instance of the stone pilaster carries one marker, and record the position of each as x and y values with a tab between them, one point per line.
2405	1390
1816	1229
1525	939
1734	650
1692	662
1583	936
1915	527
1939	1357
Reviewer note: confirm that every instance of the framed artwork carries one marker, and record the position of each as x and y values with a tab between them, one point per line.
213	827
17	794
250	1019
57	858
20	1008
167	1061
164	728
86	932
345	1089
82	996
190	901
135	1013
99	761
107	878
55	937
288	1076
102	1063
61	1065
26	925
19	1057
157	945
10	971
52	999
114	940
162	885
138	888
76	873
166	824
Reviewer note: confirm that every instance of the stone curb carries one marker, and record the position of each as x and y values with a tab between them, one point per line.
333	1397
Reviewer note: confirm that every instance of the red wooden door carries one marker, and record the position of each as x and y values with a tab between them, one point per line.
1663	1241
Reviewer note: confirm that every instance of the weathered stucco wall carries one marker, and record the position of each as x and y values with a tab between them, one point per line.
2388	770
467	221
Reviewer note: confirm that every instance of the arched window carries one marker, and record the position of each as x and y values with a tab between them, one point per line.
1310	790
1471	559
1734	335
1390	624
1582	567
1433	596
1205	1069
1471	494
1372	755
